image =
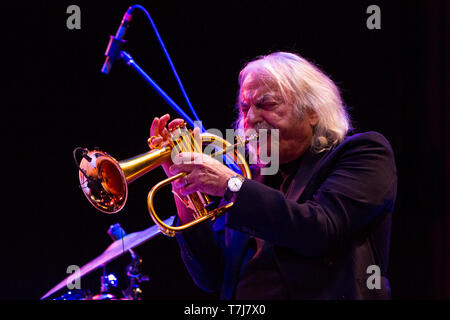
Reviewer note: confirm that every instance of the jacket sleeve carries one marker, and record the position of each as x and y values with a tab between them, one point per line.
202	255
353	191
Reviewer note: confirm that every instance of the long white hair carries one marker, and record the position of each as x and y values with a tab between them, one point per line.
307	88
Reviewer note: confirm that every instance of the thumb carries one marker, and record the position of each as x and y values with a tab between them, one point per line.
198	138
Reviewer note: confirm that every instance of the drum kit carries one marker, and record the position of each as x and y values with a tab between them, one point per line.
123	243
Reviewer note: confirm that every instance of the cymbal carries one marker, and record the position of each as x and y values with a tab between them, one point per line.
116	249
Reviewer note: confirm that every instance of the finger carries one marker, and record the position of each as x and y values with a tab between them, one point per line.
154	130
196	130
156	141
181	165
163	122
182	182
175	128
175	123
190	188
177	168
165	134
190	157
197	139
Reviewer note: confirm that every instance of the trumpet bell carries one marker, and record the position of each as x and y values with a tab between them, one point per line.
103	182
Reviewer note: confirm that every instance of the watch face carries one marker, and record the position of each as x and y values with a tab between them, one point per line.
234	184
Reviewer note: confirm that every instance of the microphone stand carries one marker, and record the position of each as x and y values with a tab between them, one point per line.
126	57
114	51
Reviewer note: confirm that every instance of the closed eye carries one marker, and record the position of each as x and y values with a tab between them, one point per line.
267	105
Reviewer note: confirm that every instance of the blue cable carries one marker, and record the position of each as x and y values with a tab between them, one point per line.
232	166
171	64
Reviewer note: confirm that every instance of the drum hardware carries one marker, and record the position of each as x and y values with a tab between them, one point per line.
108	286
76	294
116	249
135	277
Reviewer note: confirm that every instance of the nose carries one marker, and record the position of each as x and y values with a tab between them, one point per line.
253	116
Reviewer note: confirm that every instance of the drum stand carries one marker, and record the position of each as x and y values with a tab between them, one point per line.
135	277
108	282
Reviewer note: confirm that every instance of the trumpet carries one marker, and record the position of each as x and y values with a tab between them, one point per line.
104	180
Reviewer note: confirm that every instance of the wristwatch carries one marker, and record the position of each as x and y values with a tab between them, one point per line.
234	184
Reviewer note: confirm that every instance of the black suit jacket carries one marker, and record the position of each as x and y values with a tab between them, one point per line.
333	223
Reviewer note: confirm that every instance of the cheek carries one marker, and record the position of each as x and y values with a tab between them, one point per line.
274	119
295	135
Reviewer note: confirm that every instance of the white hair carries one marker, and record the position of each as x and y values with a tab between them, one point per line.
308	89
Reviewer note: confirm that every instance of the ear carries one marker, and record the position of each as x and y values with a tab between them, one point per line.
313	118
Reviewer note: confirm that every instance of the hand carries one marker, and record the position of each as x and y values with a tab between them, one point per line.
159	135
204	174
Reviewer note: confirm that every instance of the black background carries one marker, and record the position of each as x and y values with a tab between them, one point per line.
393	80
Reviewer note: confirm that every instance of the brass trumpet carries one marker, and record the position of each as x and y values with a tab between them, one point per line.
104	180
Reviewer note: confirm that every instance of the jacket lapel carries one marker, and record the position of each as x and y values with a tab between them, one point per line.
303	175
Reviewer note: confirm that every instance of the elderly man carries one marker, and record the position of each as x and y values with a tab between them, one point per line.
320	227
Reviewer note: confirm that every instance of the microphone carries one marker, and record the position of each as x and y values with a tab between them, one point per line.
116	232
116	42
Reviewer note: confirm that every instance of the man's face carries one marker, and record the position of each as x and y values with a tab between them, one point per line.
262	106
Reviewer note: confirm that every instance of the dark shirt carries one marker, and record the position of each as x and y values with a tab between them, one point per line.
259	277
